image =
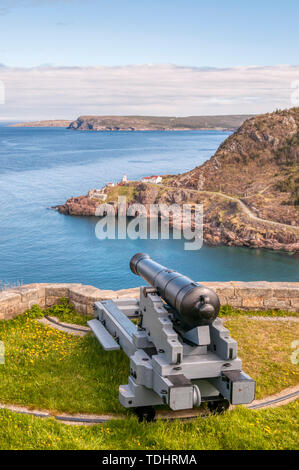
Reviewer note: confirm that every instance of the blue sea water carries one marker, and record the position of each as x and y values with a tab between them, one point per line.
42	167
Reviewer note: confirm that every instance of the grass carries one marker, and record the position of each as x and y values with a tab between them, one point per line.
237	430
47	368
228	311
50	369
127	190
265	349
65	312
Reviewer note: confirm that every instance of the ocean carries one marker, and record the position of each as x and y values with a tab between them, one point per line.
42	167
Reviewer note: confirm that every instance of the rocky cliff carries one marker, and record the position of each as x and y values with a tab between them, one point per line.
150	123
258	164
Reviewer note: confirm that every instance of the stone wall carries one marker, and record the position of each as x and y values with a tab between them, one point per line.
260	295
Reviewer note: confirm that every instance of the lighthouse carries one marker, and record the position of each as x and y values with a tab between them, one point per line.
124	180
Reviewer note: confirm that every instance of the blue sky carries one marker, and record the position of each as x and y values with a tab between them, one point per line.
215	33
64	58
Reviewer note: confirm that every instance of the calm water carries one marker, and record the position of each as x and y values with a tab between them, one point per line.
43	167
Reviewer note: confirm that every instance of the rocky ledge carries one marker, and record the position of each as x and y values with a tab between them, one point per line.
225	223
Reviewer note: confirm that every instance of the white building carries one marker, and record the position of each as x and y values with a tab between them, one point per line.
97	194
152	179
125	179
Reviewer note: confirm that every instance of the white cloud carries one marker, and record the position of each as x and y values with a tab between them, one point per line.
49	92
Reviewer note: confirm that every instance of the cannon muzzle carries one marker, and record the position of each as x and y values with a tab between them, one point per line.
195	305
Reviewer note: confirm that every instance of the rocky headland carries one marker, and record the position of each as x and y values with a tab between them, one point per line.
49	123
142	123
156	123
249	189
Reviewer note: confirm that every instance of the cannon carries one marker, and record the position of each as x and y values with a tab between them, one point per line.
193	305
180	353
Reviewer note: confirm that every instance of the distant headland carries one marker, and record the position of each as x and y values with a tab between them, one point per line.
144	123
50	123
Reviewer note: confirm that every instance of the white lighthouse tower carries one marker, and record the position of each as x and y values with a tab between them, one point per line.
125	179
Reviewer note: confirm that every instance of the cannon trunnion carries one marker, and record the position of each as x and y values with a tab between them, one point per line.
180	352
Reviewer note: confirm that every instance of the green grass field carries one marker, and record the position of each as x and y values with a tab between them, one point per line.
238	429
228	311
49	369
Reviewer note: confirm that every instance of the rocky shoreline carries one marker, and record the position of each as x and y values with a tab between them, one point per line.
249	189
224	223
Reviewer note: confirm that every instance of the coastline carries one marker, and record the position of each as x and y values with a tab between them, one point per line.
48	123
66	125
250	232
248	189
143	123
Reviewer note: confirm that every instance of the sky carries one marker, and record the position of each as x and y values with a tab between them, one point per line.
64	58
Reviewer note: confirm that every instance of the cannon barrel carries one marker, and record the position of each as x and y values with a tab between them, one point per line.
196	305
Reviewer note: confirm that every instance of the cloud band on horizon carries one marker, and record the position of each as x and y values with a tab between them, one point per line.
49	92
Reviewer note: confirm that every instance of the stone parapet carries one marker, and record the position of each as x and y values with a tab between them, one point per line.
259	295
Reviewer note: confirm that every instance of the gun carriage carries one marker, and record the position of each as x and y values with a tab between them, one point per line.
180	353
